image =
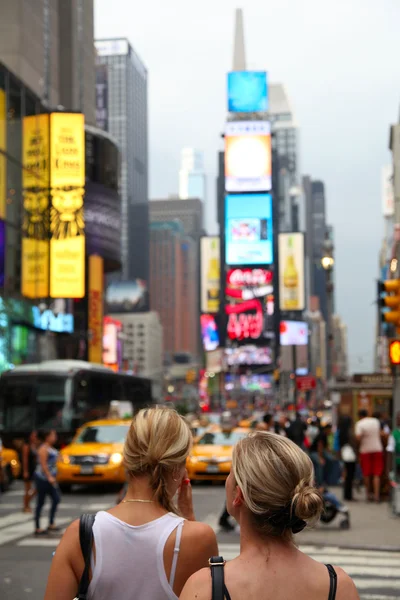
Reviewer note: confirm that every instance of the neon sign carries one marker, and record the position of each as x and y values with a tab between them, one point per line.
243	325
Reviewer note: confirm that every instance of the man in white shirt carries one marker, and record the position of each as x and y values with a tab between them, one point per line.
369	435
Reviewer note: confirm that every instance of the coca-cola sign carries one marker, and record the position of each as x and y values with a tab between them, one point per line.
249	277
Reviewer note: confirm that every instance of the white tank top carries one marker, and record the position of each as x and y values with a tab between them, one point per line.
129	561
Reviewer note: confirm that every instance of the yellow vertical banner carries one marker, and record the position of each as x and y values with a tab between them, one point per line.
35	221
3	149
95	309
67	225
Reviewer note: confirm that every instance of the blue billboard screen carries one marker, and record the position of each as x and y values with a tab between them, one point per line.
248	229
247	91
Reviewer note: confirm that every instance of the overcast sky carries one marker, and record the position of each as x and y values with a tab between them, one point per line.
340	64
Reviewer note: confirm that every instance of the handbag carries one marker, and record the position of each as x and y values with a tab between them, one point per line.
219	591
348	454
86	540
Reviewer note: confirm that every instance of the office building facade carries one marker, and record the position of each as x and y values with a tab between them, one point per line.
49	46
286	139
124	115
192	178
143	346
189	212
174	286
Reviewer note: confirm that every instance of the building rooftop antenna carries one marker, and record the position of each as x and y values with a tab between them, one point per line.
239	54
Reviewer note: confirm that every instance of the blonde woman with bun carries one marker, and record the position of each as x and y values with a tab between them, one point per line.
144	548
270	493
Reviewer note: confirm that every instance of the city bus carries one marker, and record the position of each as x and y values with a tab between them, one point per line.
62	395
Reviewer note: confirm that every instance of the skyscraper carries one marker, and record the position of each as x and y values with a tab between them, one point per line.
49	46
125	97
285	130
317	229
173	285
192	179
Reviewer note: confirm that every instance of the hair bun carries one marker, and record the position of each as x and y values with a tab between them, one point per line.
307	502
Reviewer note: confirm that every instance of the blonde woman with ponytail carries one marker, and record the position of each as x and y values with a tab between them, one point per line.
270	493
145	548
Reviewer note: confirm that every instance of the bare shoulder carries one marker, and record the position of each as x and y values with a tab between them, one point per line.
346	589
198	586
69	547
195	531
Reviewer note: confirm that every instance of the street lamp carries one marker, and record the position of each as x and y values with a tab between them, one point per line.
328	262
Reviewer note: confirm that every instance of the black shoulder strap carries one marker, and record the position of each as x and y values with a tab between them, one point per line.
333	582
219	591
86	540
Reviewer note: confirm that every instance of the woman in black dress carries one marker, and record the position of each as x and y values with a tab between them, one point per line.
29	460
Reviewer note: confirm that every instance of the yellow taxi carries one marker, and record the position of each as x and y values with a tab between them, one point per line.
94	455
211	455
11	466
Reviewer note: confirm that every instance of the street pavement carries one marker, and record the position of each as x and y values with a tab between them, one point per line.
369	551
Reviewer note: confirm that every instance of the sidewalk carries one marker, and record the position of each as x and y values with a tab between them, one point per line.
371	527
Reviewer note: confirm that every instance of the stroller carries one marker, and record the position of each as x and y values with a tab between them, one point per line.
334	508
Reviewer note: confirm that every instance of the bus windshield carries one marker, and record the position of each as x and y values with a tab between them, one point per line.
34	399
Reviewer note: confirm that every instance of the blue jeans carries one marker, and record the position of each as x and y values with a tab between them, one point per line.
45	488
329	497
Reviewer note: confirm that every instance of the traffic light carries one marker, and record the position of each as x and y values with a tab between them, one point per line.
389	297
394	352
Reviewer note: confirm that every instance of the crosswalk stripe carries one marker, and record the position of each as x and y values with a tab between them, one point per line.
336	550
40	542
378	597
352	561
14	519
19	531
17	492
369	583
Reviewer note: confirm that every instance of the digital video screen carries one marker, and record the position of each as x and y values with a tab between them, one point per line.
247	91
293	333
248	158
209	333
248	355
249	229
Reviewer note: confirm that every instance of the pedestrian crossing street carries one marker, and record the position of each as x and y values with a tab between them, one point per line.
376	573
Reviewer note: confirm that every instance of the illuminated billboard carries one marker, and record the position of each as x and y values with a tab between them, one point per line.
112	328
67	150
35	152
291	271
248	356
249	304
247	91
209	332
248	229
248	160
35	216
293	333
95	309
3	149
53	180
67	225
127	296
210	274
